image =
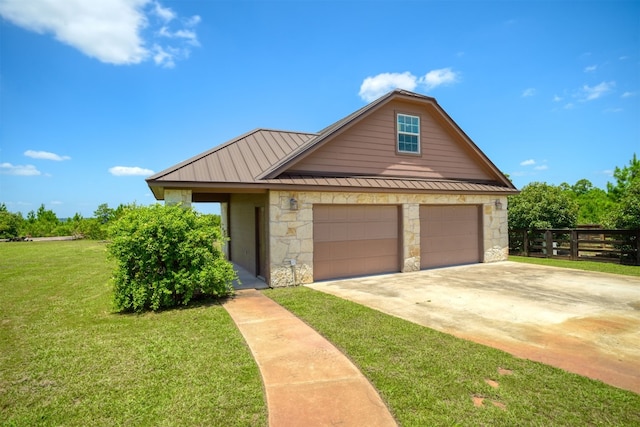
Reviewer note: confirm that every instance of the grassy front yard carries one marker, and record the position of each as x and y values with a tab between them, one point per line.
430	378
602	267
67	359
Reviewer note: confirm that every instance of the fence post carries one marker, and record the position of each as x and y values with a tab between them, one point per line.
574	245
548	238
525	239
638	247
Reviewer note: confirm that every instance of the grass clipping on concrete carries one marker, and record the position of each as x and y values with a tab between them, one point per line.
67	359
431	378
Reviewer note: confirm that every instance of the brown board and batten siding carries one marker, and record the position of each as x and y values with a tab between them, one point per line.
368	148
450	235
355	240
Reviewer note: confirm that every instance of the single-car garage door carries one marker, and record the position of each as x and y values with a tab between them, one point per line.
449	235
354	240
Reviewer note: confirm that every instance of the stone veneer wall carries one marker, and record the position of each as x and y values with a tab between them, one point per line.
291	231
174	197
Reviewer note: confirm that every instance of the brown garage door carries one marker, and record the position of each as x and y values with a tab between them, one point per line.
449	235
354	240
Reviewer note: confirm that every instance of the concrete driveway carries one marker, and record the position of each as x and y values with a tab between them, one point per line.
587	323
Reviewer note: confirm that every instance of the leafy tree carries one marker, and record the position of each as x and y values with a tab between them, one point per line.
624	177
44	222
565	187
166	255
582	187
627	213
594	207
10	223
541	205
46	215
104	213
594	204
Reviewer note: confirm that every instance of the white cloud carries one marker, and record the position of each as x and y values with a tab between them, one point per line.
589	93
590	68
528	92
130	171
45	155
528	162
435	78
19	170
56	202
613	110
628	94
374	87
112	31
541	168
557	98
164	13
163	57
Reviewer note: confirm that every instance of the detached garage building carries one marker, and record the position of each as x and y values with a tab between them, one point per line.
394	187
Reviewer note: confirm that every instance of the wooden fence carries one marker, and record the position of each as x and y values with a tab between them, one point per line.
619	246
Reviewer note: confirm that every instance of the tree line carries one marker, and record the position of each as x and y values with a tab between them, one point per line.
44	223
542	206
539	205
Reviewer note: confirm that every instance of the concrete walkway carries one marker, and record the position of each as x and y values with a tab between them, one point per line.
247	280
308	382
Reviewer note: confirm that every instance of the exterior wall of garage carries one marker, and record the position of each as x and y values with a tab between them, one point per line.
242	228
291	230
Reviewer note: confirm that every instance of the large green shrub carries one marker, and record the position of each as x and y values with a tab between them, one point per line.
541	205
166	255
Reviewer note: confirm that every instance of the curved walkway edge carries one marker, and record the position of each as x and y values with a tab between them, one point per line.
308	382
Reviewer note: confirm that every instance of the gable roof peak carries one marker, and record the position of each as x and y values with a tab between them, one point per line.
325	133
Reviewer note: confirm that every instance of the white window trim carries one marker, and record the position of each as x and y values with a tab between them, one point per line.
398	132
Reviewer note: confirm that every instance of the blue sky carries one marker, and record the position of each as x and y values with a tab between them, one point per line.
95	95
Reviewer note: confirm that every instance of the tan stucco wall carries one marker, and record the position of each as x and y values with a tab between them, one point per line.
291	231
242	228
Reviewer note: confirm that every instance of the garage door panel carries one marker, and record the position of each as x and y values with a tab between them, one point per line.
449	235
352	240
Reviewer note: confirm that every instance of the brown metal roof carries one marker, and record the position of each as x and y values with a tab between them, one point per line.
259	160
240	160
377	183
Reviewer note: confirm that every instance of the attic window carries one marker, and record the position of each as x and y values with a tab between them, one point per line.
408	128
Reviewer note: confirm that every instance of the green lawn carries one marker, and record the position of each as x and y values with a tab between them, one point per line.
602	267
67	359
430	378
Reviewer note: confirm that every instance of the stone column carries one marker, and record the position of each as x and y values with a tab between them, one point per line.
496	231
410	237
224	225
290	239
180	196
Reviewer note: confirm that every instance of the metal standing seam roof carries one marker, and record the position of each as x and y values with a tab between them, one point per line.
259	159
240	160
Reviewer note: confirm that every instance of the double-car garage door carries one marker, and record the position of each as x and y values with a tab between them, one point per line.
356	240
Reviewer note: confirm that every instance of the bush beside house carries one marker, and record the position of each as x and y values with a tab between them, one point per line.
165	256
